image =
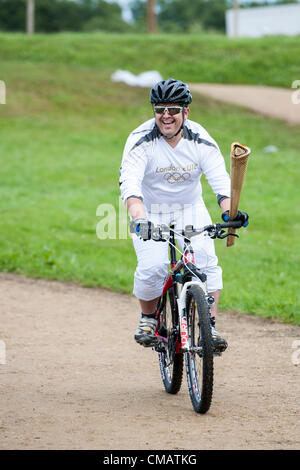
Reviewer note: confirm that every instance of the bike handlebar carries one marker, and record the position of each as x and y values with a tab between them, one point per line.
189	231
162	232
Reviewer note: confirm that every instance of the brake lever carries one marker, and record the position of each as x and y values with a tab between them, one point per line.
217	234
220	232
212	234
157	235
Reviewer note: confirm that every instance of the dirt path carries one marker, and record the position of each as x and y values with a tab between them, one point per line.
269	101
75	379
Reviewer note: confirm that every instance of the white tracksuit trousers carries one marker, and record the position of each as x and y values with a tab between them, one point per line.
153	257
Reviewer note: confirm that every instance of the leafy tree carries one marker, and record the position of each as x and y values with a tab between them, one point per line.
139	12
12	15
63	15
106	17
181	15
56	15
192	15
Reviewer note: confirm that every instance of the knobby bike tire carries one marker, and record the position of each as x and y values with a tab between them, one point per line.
170	362
199	365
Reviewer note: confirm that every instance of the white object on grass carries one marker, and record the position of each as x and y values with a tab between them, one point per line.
145	79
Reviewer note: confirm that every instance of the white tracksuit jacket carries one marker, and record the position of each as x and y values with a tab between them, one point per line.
157	173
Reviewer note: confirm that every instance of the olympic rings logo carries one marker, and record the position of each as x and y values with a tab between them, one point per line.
177	177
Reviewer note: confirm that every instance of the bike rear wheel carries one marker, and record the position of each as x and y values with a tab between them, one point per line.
170	361
199	359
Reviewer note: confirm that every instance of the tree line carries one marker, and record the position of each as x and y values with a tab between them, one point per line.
63	15
193	16
187	16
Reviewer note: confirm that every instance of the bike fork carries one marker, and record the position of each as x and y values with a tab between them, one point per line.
181	302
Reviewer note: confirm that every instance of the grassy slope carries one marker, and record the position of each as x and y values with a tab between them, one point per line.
62	133
272	61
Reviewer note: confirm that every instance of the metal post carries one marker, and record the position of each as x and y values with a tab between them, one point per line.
30	17
151	17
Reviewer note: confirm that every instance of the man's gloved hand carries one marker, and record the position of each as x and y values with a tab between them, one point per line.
142	227
241	217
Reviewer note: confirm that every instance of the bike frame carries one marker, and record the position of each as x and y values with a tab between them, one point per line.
176	266
186	337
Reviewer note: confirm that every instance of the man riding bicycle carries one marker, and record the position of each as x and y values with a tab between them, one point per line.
162	163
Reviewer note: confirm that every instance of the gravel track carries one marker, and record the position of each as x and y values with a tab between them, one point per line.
274	102
75	379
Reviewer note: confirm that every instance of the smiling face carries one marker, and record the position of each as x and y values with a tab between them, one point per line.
169	124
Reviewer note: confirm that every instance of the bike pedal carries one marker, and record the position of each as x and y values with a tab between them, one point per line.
152	344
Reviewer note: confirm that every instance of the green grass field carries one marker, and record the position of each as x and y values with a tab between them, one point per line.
272	61
62	134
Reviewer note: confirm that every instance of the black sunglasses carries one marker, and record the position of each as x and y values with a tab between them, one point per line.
172	110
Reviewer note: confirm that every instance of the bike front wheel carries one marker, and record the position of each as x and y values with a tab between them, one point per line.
199	358
170	360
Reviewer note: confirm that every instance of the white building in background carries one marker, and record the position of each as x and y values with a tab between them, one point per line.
263	21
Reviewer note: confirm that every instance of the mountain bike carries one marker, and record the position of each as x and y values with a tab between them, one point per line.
183	314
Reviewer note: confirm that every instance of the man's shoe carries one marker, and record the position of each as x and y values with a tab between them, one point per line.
145	332
219	343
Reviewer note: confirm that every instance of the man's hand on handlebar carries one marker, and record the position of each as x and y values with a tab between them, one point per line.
145	229
142	228
241	217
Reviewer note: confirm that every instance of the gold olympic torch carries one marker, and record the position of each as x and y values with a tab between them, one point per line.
238	165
